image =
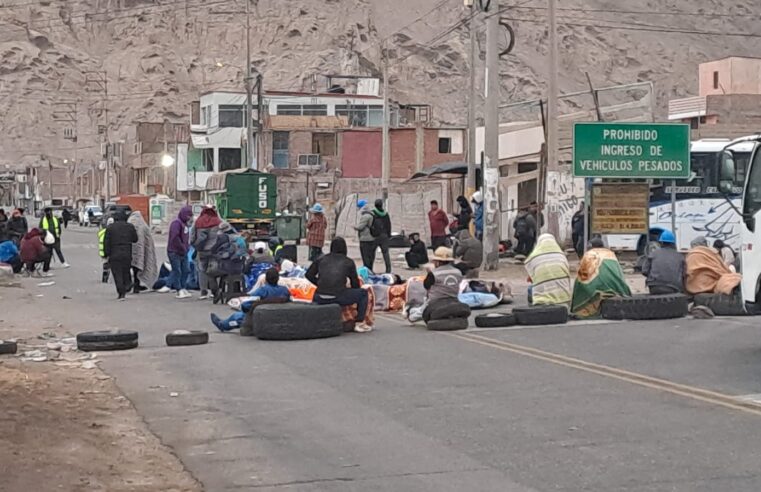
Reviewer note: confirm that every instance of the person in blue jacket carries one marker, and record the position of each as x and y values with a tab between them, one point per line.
270	290
478	214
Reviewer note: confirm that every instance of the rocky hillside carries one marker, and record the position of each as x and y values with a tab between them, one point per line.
158	55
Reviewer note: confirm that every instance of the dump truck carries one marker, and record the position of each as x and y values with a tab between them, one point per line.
247	199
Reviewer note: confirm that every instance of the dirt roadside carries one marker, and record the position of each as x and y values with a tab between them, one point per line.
65	427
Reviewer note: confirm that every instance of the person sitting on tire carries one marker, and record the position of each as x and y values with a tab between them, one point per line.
706	272
443	286
469	251
330	273
600	276
269	291
417	256
549	273
664	267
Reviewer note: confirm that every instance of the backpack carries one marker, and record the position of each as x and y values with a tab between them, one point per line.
521	225
376	228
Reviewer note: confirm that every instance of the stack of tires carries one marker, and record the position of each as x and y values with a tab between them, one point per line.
645	307
447	315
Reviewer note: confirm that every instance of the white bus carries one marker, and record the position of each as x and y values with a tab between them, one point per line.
701	209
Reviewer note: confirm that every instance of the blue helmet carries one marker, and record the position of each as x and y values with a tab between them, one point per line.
361	203
317	208
667	237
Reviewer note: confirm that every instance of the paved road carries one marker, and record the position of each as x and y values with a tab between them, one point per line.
596	406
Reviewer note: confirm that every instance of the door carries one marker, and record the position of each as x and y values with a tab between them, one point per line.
751	230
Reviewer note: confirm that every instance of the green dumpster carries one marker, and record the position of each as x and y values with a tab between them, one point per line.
289	227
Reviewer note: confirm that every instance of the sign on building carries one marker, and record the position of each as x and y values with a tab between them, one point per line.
620	208
631	150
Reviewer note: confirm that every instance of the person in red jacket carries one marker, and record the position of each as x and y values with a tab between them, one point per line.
34	251
439	222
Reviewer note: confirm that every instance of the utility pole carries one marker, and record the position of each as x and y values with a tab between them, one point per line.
552	96
386	168
471	184
66	113
99	80
249	91
491	143
259	119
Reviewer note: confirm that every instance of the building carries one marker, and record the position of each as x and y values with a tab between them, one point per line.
729	100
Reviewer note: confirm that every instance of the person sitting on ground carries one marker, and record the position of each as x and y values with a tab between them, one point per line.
600	277
330	274
262	253
9	254
549	273
443	286
727	253
271	290
664	267
417	256
706	272
34	251
469	251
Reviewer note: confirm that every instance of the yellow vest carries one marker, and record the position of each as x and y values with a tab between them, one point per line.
56	227
101	241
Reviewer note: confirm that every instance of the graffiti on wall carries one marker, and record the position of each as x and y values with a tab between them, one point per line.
564	196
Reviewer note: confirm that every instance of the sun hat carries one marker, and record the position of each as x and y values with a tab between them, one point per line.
443	253
317	209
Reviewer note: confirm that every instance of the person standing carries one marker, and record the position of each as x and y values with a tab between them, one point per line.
144	269
330	274
439	221
665	267
577	231
316	228
117	246
533	210
478	211
366	238
50	223
66	216
34	251
203	238
465	215
177	251
381	230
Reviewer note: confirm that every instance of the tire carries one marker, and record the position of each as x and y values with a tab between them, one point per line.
450	324
107	340
645	307
449	308
8	347
541	315
495	320
722	304
192	338
296	321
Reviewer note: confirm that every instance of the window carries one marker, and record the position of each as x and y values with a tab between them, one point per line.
752	199
375	116
302	110
231	116
289	110
324	144
716	80
208	160
358	114
206	115
280	149
229	159
445	145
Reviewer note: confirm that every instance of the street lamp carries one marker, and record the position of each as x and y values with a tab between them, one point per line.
167	160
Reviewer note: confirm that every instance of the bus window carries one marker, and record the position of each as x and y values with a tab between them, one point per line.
742	159
703	180
752	199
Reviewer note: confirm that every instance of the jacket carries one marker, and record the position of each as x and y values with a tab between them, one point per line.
469	249
204	240
384	222
443	283
178	242
101	243
439	222
664	267
117	244
329	274
363	226
53	225
32	247
479	217
316	228
17	227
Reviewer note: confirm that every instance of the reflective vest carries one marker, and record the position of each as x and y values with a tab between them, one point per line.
277	248
56	226
101	242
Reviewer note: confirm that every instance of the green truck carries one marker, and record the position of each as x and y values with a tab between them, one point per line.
247	199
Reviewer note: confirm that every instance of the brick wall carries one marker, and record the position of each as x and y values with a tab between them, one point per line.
431	155
361	154
402	152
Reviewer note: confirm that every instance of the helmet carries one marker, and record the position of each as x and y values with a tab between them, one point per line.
667	237
361	203
317	209
260	246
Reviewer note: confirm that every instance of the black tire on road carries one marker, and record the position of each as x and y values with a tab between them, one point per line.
495	320
296	321
645	307
192	338
722	304
450	324
90	341
8	347
541	315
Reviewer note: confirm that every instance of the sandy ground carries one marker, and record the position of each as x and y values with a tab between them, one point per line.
63	427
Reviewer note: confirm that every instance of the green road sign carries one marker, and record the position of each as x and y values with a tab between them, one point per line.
631	150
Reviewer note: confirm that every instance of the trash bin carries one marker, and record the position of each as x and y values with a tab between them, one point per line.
289	227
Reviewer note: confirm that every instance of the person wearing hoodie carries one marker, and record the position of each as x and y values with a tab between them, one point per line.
330	273
478	206
381	230
469	251
117	246
366	238
203	238
465	215
34	251
17	227
177	251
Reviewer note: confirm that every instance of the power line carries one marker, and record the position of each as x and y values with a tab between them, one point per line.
642	12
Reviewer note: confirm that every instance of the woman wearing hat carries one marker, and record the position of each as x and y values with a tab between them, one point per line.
316	228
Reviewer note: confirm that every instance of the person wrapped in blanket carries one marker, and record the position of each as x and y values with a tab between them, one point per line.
600	277
706	271
270	290
549	273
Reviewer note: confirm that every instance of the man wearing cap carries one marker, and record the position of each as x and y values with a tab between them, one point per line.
366	238
664	267
316	228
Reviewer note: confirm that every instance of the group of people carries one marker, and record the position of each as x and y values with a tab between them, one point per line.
27	249
128	251
374	231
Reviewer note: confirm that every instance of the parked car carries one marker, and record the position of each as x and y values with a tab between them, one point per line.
113	207
86	218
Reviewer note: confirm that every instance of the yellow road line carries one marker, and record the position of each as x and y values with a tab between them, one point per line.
692	392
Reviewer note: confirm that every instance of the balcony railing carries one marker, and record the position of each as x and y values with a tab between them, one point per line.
688	107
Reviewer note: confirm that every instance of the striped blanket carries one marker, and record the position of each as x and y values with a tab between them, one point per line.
550	274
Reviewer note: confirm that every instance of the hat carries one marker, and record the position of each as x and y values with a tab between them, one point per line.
667	237
361	203
287	266
317	209
443	253
478	197
260	245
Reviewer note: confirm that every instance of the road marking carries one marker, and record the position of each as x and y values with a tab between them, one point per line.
728	401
